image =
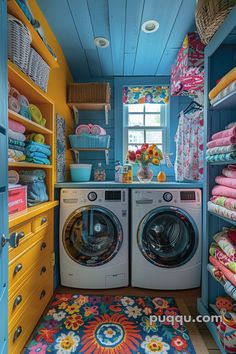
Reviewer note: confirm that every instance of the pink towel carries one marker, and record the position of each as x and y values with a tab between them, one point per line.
222	142
83	129
228	203
228	172
228	274
15	126
225	191
97	130
13	104
225	181
224	133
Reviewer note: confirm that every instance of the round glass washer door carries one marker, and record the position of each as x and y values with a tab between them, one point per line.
167	237
92	236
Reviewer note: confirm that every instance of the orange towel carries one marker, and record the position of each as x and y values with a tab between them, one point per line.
223	83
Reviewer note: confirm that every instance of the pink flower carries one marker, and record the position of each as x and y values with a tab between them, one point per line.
38	348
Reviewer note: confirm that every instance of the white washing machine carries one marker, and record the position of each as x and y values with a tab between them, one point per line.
166	239
94	238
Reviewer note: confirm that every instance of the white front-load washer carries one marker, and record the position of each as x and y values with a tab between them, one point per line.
94	238
166	239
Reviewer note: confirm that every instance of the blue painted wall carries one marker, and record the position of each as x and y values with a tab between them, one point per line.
115	126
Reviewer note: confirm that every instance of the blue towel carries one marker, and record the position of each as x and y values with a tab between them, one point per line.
36	154
32	146
38	160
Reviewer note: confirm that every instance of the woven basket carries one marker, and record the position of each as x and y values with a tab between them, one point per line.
38	70
210	14
90	141
89	93
19	39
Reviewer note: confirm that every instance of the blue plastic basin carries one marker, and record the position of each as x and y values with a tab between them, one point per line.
80	172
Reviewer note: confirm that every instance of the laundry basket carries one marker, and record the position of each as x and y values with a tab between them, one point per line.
210	14
38	70
19	39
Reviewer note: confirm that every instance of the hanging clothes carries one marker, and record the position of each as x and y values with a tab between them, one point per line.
189	146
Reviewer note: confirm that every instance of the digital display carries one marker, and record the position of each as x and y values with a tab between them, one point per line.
112	195
188	195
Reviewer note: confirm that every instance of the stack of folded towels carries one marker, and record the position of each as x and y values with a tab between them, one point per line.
16	141
222	260
223	200
36	150
224	87
222	146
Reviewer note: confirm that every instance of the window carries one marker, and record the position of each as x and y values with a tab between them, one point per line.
146	123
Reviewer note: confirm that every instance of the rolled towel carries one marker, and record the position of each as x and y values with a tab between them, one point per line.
83	129
13	104
9	87
24	111
97	130
23	101
38	138
16	136
14	93
224	133
15	126
13	177
36	115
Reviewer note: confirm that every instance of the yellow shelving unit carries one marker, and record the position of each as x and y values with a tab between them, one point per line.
37	42
29	124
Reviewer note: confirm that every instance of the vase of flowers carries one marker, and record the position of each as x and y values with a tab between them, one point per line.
145	156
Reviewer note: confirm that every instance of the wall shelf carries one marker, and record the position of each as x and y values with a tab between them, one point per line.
78	150
227	102
232	222
37	42
90	107
29	124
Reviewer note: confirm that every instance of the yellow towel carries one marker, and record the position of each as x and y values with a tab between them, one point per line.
38	138
224	82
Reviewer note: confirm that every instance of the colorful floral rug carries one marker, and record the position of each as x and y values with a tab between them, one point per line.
110	325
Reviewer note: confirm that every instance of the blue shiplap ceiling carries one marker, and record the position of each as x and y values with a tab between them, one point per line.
132	52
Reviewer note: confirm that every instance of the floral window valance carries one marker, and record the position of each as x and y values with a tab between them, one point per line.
145	94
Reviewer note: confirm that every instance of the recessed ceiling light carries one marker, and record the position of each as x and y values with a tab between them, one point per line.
150	26
101	42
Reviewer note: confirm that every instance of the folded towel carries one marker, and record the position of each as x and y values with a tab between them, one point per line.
16	147
13	104
36	115
38	138
16	155
224	133
227	261
15	126
32	146
221	142
221	149
97	130
83	129
38	160
16	142
222	157
217	274
223	83
225	181
36	154
223	241
16	136
229	172
225	191
227	273
219	210
226	202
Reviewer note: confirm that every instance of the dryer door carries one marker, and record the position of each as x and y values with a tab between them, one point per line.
92	236
167	237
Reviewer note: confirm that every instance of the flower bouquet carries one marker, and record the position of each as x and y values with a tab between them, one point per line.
146	155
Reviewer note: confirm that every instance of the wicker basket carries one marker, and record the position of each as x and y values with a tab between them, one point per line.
210	14
89	93
38	70
19	39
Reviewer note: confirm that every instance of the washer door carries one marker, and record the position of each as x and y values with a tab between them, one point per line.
92	236
167	237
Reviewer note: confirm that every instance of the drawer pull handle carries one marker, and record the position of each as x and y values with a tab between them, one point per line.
13	240
18	268
17	333
44	220
43	246
43	270
17	301
43	293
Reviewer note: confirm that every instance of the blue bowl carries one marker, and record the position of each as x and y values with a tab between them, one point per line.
80	172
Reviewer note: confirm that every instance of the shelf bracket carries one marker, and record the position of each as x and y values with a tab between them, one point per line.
76	116
107	157
76	155
106	114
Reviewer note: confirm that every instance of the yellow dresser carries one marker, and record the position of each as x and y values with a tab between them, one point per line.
30	277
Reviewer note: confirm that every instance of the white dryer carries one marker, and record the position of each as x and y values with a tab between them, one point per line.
166	239
94	238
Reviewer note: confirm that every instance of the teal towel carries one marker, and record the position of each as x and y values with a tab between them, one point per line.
38	160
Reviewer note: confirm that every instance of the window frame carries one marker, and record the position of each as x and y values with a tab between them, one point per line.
164	127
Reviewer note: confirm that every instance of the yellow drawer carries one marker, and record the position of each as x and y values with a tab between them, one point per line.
24	325
22	265
25	229
43	220
18	298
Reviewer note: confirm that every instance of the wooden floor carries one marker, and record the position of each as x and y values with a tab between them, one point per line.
186	301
